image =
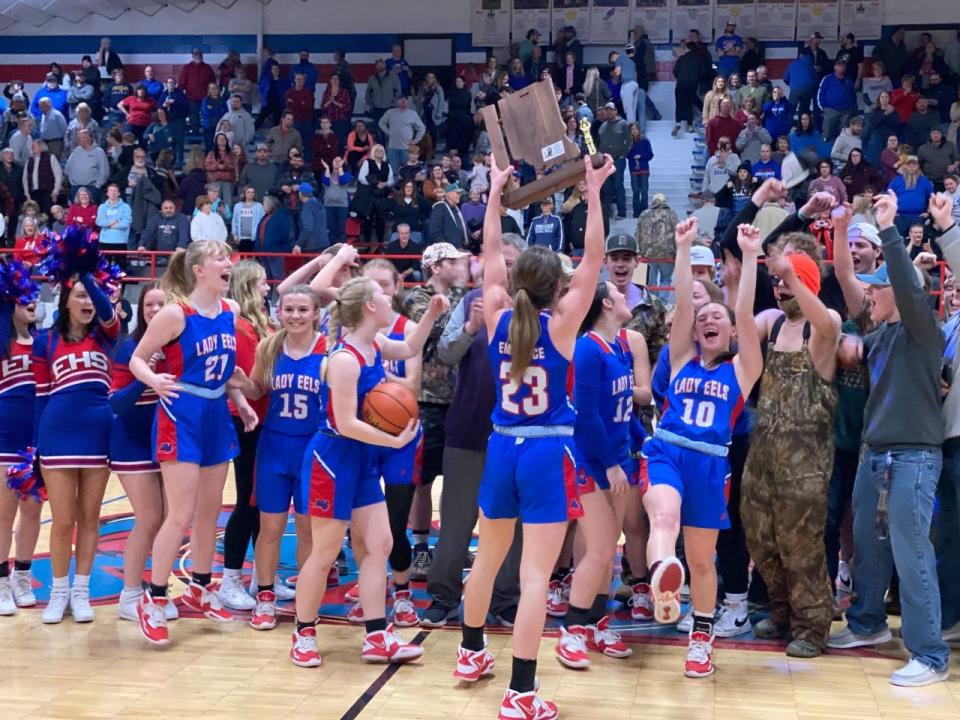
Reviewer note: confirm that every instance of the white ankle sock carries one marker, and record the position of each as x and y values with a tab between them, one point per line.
230	572
81	581
735	598
61	582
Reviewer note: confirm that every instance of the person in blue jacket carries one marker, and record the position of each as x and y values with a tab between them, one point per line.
546	229
273	236
313	222
174	101
777	114
58	97
801	77
638	158
212	108
837	98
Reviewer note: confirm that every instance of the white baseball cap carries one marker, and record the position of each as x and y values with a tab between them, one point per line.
701	255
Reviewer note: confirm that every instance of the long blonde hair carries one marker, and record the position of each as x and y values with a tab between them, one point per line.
179	280
347	310
245	281
590	80
269	348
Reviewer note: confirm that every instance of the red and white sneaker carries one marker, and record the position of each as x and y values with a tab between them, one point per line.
305	652
571	647
264	615
665	587
699	656
353	594
526	706
600	638
385	646
207	601
474	664
404	611
557	603
152	617
641	603
355	614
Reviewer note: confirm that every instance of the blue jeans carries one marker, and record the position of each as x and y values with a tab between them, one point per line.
946	534
613	189
642	109
660	275
336	224
640	185
911	478
397	157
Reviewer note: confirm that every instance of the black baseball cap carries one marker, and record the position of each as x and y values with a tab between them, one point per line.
621	241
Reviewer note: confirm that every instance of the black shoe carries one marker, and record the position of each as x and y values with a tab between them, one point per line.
422	559
437	615
469	560
507	616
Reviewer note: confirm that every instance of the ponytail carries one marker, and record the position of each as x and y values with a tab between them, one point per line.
266	358
536	275
347	310
176	282
523	334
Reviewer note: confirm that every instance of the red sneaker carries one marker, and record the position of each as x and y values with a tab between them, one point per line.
571	647
305	652
355	614
600	638
264	615
557	605
474	664
665	586
353	594
385	646
404	611
152	615
641	603
207	601
699	656
526	706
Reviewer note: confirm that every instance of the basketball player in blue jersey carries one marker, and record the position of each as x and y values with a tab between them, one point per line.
400	469
287	368
530	472
18	389
687	456
131	454
341	477
194	435
71	364
612	373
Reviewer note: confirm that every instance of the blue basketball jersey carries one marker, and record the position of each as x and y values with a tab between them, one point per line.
398	368
542	396
370	377
612	365
703	405
295	407
205	354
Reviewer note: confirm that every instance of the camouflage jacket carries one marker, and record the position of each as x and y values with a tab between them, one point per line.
650	320
436	385
655	232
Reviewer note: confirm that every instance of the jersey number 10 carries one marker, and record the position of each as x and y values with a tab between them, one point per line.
703	417
535	379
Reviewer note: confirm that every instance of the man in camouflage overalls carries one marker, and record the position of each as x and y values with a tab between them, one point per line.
784	491
655	235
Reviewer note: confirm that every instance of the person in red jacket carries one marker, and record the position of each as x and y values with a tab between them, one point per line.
26	247
904	98
82	211
221	167
299	100
138	110
723	125
195	77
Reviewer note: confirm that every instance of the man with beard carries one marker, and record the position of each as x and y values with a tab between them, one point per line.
783	496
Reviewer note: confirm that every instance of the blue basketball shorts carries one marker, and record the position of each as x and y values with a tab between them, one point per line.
702	480
196	430
530	478
278	468
338	476
592	475
402	466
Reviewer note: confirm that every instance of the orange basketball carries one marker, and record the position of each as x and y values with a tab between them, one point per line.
389	407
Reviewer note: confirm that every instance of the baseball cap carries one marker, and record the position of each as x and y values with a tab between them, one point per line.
262	146
629	47
533	31
882	278
305	189
51	76
621	241
701	255
454	187
817	35
866	231
609	106
441	251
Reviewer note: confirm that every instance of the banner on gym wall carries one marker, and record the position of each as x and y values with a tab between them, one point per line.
693	15
572	12
736	11
610	21
531	15
490	22
654	17
862	18
776	19
817	16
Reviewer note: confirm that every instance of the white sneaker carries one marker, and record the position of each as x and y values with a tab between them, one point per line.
58	604
916	674
80	604
7	604
23	593
170	610
233	595
127	607
282	590
847	638
732	620
686	624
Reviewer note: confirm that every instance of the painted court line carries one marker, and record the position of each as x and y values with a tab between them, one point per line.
378	684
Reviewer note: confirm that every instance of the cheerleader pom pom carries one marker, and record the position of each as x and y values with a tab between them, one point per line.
25	480
77	252
16	285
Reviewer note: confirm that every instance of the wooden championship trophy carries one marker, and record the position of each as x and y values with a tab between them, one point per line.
526	125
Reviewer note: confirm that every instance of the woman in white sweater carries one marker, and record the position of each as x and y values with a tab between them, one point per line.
207	225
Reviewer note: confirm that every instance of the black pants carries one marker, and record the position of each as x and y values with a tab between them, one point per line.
399	500
685	96
839	496
244	523
433	418
733	560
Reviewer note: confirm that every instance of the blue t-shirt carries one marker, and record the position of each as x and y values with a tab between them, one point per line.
728	64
